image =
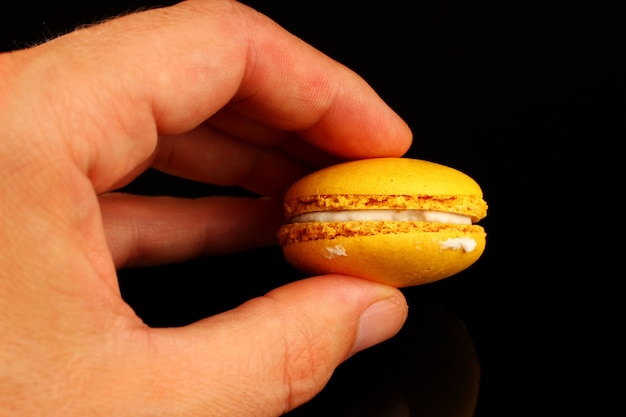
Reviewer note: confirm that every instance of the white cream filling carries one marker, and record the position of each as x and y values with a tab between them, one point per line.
431	216
335	251
466	243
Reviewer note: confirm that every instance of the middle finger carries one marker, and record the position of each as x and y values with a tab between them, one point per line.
209	155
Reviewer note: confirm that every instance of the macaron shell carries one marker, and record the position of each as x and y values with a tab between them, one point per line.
399	260
386	176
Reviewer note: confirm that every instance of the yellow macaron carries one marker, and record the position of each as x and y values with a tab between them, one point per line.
398	221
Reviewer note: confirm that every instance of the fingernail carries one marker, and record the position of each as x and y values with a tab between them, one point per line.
379	322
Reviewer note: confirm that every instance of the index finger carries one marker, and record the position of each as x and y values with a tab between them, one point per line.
285	83
294	87
168	70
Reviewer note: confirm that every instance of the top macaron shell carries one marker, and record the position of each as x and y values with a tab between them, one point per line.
386	176
407	183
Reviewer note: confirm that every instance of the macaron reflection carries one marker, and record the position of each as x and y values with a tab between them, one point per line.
437	373
430	369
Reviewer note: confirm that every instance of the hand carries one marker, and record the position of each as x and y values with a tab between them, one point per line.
207	90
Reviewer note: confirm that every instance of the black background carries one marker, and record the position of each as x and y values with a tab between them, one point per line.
525	97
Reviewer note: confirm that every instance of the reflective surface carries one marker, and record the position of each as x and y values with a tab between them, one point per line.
430	369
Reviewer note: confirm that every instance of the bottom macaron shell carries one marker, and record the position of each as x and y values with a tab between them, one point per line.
400	260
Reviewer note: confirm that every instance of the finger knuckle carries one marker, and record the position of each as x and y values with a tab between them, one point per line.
307	366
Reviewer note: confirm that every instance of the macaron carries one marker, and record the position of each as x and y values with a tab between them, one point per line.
399	221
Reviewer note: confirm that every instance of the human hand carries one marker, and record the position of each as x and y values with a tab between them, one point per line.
207	90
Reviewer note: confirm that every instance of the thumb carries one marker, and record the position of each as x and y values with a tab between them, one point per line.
274	352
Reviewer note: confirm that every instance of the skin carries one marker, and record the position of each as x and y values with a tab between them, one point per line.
201	84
